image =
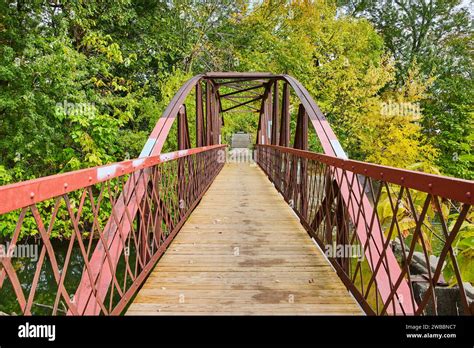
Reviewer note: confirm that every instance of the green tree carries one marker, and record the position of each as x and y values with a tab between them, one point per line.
438	35
342	61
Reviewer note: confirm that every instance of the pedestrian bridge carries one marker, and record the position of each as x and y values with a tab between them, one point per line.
290	232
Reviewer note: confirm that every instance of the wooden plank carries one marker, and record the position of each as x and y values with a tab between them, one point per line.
243	251
240	309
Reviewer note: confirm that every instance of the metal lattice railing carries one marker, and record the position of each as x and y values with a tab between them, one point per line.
117	221
397	238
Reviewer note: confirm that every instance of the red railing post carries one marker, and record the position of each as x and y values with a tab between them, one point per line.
285	117
275	115
200	126
209	114
301	143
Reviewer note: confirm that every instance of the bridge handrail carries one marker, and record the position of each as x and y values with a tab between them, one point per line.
121	218
383	212
22	194
460	190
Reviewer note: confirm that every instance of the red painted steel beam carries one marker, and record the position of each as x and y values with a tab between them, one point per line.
25	193
183	129
285	117
238	75
200	125
301	132
243	90
242	104
236	98
459	190
162	128
234	83
208	113
275	115
215	117
262	137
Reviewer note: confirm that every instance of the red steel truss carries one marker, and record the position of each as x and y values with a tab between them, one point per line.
121	217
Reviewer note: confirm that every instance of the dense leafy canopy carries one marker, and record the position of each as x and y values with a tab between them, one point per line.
82	83
437	36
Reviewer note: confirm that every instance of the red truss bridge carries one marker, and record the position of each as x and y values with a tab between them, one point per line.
293	232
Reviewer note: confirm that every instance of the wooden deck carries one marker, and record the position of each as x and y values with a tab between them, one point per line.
243	251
